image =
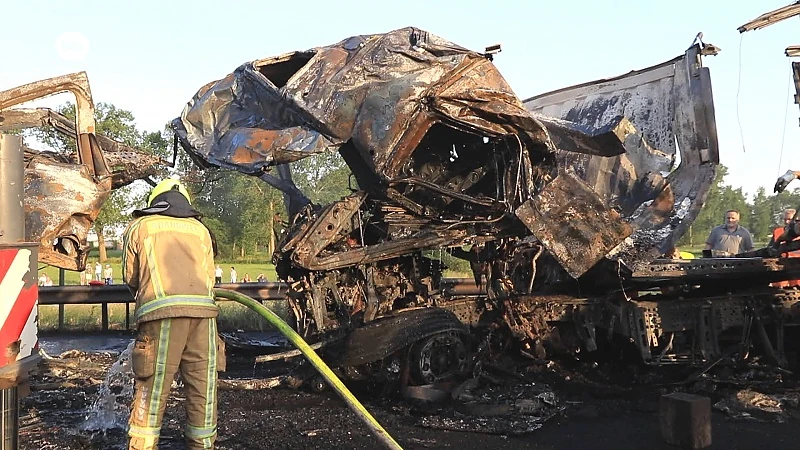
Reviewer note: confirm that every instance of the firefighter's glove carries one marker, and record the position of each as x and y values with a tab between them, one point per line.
784	181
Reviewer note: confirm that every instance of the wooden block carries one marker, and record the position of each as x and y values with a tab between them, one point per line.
686	420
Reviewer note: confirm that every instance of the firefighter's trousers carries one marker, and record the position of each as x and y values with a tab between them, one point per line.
162	348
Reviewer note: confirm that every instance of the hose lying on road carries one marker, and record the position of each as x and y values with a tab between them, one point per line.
326	372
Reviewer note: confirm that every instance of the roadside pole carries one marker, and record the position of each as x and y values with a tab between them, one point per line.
18	291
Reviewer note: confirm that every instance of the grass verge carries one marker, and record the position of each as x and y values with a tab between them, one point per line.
86	318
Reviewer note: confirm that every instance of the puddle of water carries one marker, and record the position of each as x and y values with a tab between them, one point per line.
111	408
87	342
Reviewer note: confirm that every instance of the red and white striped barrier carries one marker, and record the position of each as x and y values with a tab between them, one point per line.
18	298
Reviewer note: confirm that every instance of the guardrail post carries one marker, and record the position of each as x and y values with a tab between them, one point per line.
60	307
9	401
104	316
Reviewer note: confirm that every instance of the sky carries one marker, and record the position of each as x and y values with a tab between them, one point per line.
150	57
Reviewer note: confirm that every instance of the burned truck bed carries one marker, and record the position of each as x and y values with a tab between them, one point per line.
561	204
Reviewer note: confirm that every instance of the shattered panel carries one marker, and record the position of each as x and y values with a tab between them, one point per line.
573	224
62	202
125	163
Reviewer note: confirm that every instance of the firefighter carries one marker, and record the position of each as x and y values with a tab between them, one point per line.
168	263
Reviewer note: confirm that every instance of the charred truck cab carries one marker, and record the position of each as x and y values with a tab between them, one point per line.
562	205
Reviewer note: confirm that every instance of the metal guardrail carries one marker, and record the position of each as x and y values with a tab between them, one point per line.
271	290
119	293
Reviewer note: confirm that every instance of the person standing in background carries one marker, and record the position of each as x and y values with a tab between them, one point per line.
108	275
729	238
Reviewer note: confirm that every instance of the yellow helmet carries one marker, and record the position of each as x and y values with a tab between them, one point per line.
166	185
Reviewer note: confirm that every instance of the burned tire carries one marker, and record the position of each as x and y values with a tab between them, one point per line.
438	357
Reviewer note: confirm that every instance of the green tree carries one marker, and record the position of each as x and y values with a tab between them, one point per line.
242	207
158	143
246	206
322	177
721	198
760	216
762	219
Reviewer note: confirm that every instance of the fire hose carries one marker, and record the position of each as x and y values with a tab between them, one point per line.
326	372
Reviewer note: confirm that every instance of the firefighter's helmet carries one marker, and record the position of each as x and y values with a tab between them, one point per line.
166	185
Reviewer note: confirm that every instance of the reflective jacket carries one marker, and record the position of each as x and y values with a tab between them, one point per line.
776	234
168	263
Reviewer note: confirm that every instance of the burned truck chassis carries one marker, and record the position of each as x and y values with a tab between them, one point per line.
693	328
687	312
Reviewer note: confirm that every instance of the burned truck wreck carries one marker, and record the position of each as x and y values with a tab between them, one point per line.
561	204
64	191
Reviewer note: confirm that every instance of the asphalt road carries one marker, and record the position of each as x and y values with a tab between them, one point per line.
587	415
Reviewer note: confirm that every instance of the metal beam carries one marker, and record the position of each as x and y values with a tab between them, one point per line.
12	169
772	17
119	293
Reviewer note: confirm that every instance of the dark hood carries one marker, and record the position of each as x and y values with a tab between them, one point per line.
171	203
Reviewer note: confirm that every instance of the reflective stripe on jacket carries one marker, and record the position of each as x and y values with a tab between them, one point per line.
168	263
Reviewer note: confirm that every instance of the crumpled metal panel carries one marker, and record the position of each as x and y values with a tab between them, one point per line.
394	105
381	92
62	201
64	192
569	219
125	163
668	103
